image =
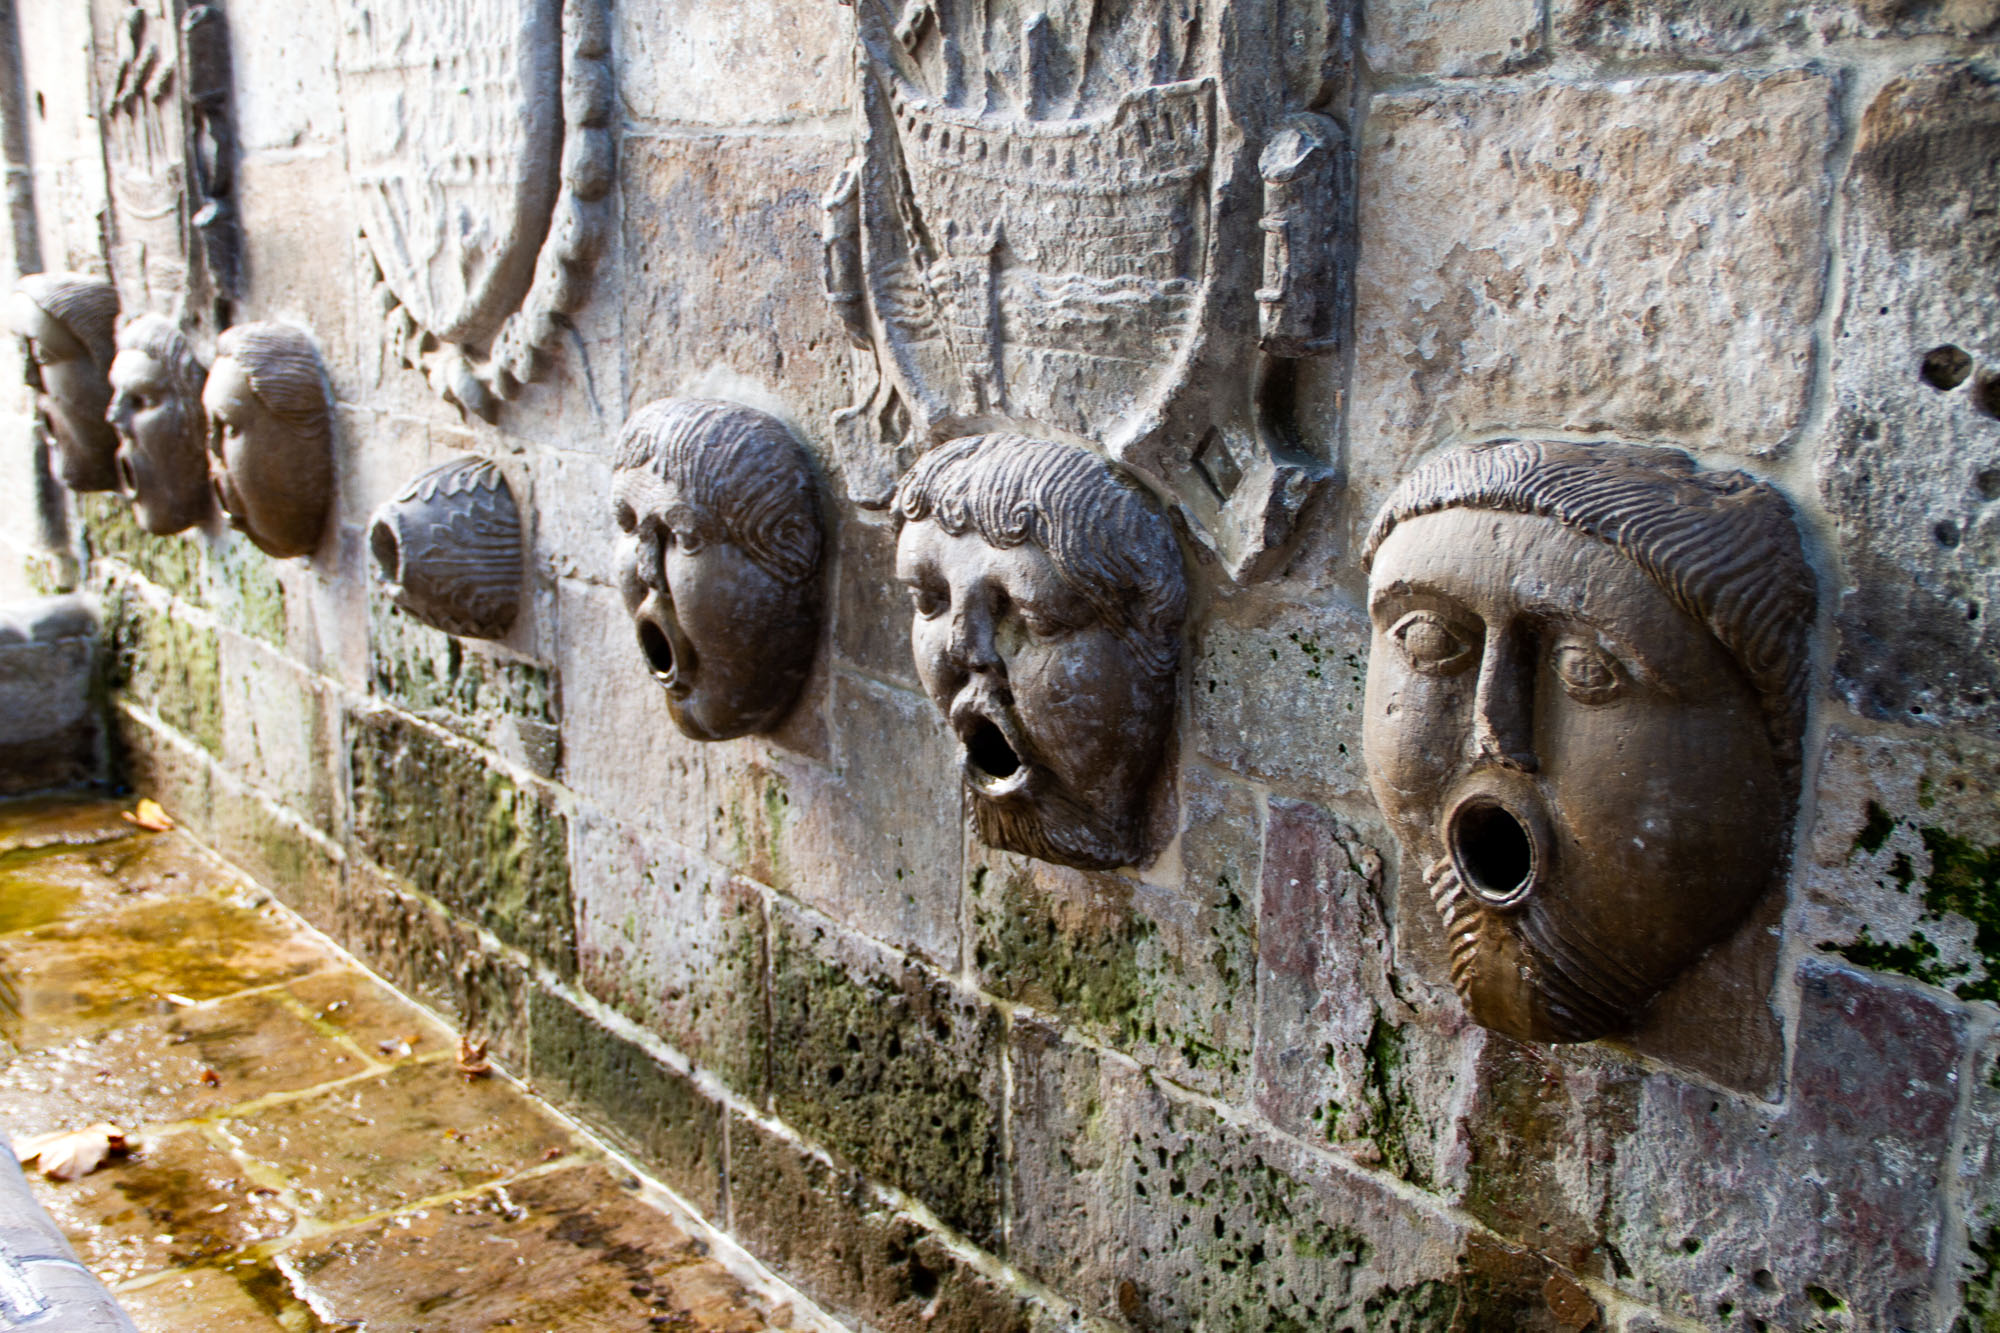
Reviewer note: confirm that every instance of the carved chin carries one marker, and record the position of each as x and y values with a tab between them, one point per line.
1037	817
1528	972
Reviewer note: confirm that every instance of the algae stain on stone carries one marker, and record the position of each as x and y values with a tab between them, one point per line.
30	897
1959	878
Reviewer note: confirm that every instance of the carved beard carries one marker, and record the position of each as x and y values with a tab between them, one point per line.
1049	824
1533	966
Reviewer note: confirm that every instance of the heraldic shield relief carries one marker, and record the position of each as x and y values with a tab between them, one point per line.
481	156
1064	218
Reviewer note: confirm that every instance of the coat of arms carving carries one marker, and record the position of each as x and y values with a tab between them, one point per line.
1119	221
481	154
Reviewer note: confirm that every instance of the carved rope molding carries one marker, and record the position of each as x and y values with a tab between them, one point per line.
476	379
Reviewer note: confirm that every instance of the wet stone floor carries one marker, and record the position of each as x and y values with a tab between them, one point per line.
306	1153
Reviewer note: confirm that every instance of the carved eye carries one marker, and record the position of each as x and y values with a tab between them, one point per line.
928	599
689	539
627	520
1588	674
1431	645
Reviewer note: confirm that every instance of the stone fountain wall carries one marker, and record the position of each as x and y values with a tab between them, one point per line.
940	1086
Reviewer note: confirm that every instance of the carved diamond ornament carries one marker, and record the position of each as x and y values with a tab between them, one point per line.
481	155
1079	219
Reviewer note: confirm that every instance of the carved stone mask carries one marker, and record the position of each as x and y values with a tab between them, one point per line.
719	561
270	436
1049	598
67	320
1585	694
156	408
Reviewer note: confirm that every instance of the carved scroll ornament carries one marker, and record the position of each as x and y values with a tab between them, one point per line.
719	562
480	141
69	321
447	549
1048	598
1053	227
270	424
1586	693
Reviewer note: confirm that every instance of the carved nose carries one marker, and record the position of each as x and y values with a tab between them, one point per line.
971	645
1503	705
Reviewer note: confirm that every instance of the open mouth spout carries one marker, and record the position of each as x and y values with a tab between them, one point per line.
991	753
1499	846
671	662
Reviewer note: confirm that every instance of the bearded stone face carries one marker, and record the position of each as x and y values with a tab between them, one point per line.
1578	767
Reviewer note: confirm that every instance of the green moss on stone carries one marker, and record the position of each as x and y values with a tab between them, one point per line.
463	831
255	600
169	663
1962	879
1982	1286
109	533
1085	967
894	1071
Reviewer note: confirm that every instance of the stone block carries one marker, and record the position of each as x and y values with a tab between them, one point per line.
248	591
892	1068
468	687
1976	1255
464	831
1331	1027
723	255
1451	37
301	252
654	1111
158	763
1911	471
675	945
284	93
876	843
481	988
568	508
280	730
860	1258
49	731
871	610
1722	1208
621	750
1155	1213
1277	694
271	844
175	564
1672	277
714	62
1900	875
1161	972
168	661
1705	29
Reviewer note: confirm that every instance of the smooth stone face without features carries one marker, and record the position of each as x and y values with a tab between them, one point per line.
161	458
1579	766
718	561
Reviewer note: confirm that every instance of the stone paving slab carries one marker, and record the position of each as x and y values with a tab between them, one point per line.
307	1155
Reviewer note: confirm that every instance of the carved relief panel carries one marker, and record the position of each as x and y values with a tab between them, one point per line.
719	562
1049	600
163	75
481	150
447	549
1082	220
1586	694
270	436
69	321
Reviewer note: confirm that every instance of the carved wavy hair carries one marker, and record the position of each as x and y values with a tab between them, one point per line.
284	371
1723	546
87	308
162	339
1103	532
738	466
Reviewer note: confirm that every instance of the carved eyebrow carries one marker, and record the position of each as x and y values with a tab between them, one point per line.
1402	590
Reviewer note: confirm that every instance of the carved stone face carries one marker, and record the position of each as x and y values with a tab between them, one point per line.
1060	726
728	641
160	455
74	396
1580	769
272	476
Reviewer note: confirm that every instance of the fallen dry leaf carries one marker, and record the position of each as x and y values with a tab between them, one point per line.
210	1079
66	1154
148	815
472	1060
